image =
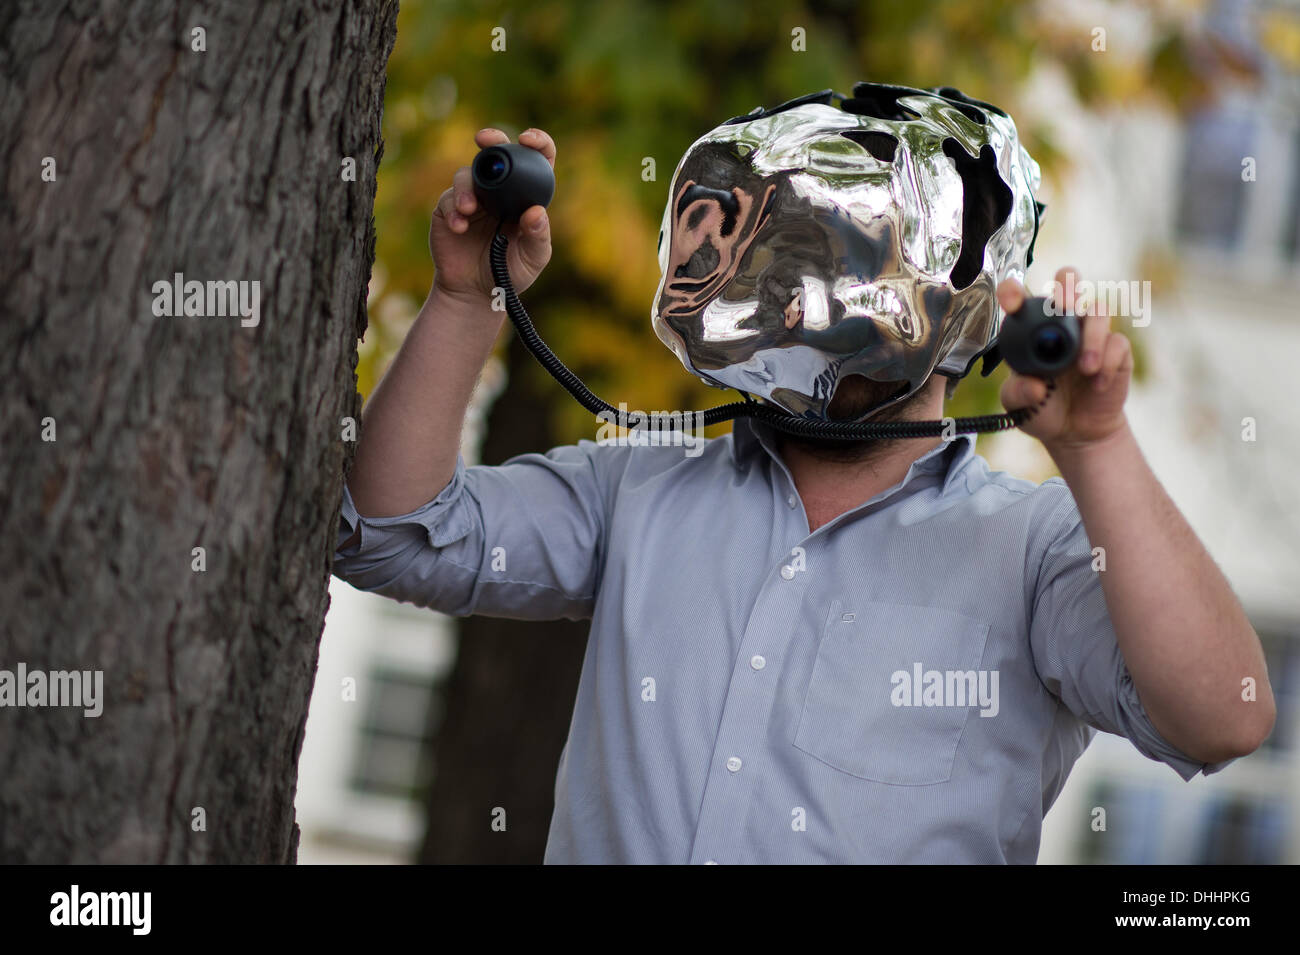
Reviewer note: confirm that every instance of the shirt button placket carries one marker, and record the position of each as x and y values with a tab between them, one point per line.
749	702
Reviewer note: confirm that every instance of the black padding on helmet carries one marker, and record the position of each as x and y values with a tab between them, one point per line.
881	101
881	145
985	207
822	97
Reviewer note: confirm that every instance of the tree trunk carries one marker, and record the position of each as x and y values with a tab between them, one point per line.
131	438
509	698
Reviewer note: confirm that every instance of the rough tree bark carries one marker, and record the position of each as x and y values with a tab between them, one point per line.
173	433
509	697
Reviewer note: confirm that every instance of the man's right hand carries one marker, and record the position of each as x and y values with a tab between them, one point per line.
461	231
410	437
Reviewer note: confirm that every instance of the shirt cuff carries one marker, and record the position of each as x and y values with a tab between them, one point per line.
440	519
1151	744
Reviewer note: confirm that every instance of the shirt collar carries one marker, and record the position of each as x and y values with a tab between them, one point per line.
750	438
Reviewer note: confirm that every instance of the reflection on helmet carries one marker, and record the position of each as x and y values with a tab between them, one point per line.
811	242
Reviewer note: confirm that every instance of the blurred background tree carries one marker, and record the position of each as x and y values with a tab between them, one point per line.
617	84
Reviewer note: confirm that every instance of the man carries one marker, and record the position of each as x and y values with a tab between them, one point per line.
801	650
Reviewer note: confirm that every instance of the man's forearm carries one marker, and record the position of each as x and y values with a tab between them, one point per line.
1183	633
413	419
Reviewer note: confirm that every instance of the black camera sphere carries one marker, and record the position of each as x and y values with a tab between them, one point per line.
510	179
1035	342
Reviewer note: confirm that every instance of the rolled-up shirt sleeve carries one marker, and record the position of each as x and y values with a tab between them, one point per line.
1075	650
523	539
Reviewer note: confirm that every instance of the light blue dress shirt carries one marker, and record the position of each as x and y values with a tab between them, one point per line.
754	693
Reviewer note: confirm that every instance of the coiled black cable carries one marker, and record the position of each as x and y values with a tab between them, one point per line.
780	420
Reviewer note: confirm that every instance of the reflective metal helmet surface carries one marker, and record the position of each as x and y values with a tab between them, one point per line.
808	242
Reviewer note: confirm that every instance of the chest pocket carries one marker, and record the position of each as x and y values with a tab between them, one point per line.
853	718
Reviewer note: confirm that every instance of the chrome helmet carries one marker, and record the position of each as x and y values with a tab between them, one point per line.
809	242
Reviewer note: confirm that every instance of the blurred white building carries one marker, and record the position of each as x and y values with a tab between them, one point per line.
1219	198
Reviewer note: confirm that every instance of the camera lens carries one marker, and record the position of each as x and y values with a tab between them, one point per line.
1050	344
493	168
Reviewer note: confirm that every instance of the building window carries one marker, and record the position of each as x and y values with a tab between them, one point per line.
1132	836
1212	201
395	735
1282	654
1291	231
1240	830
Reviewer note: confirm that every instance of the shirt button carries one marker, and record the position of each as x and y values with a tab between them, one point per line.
733	764
791	501
757	662
787	572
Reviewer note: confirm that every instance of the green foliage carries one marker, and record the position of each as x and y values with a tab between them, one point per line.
616	82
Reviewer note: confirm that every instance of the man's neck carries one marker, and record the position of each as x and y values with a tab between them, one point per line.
830	488
834	480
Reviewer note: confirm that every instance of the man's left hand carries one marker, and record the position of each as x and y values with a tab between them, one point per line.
1087	405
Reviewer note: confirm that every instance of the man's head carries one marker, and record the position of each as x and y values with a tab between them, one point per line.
811	246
